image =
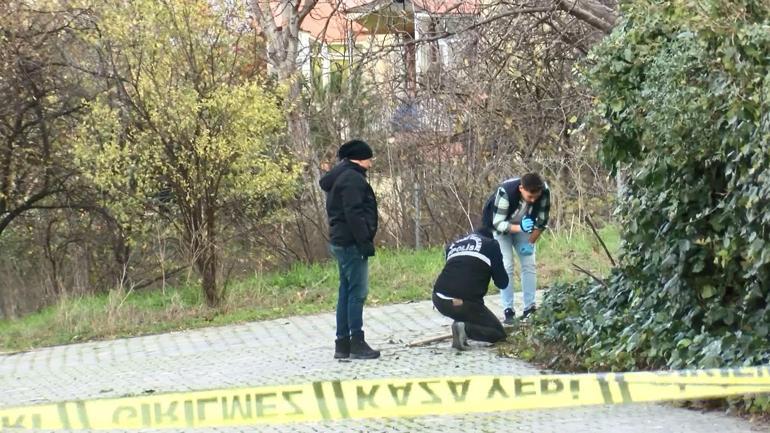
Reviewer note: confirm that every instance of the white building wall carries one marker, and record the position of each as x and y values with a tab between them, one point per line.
304	55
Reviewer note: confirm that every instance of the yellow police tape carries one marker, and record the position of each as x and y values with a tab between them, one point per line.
376	398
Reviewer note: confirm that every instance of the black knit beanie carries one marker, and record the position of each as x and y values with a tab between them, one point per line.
355	149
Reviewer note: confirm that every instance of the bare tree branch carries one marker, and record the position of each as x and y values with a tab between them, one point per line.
595	14
595	278
601	241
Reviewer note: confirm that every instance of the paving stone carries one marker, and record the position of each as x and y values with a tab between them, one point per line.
298	350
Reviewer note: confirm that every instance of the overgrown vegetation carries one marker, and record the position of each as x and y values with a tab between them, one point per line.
157	141
395	276
683	92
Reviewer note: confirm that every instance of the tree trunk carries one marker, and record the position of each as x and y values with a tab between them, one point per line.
201	232
299	135
3	309
121	252
207	265
280	23
299	129
589	11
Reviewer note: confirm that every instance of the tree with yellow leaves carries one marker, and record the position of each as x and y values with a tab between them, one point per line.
183	127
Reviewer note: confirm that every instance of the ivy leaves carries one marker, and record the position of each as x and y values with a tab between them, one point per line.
682	95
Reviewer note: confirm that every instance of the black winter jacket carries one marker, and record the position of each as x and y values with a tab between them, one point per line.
470	263
351	207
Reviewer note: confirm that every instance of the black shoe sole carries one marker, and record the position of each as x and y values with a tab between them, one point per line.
354	356
341	355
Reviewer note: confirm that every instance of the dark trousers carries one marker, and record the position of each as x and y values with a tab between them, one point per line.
354	286
480	323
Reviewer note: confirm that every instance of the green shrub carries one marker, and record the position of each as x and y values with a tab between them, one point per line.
682	93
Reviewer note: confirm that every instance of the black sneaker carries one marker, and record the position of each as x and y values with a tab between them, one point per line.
528	311
509	316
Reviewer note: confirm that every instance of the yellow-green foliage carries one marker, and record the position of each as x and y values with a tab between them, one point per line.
186	115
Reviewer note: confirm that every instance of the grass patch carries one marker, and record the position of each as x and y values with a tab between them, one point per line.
394	276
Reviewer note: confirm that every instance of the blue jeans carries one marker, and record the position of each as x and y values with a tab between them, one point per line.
508	244
354	286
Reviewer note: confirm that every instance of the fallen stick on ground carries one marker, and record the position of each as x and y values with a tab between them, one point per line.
429	340
438	338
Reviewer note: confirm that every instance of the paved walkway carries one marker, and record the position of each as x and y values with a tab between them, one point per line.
298	350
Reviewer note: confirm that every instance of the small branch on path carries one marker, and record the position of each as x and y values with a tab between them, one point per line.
429	340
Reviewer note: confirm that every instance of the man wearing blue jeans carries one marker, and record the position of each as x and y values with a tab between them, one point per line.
351	208
518	214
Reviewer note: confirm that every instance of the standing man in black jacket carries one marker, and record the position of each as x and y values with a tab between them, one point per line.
351	208
459	291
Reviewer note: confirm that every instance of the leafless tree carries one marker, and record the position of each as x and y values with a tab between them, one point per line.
41	100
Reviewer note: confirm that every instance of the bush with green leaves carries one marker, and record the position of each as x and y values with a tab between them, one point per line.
682	90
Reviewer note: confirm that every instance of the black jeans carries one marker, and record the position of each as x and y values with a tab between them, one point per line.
480	323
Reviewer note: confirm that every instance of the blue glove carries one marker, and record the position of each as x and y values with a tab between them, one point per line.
526	249
527	224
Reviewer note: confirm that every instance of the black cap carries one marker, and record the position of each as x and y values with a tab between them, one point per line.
355	149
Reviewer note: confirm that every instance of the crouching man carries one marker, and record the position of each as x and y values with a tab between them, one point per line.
459	290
